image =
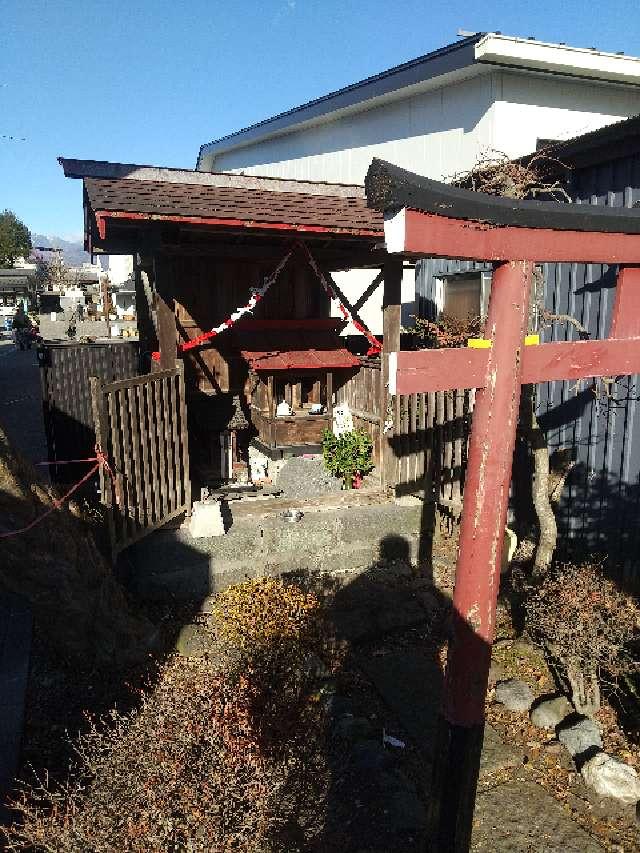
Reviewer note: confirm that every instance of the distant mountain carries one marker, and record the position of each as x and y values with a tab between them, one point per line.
73	252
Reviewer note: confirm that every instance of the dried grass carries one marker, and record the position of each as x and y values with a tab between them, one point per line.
220	755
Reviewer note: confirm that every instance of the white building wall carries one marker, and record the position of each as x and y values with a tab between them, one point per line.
533	106
437	133
354	284
440	132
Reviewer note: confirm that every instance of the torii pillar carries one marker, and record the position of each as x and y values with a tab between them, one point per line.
426	218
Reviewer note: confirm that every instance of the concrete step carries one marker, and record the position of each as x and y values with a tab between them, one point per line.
330	540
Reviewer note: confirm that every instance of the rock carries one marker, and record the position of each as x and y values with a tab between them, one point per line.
521	817
496	673
508	550
207	605
301	478
610	777
514	694
554	747
549	713
408	500
206	520
193	641
580	736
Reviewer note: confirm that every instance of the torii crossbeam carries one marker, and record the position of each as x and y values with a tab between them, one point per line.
426	218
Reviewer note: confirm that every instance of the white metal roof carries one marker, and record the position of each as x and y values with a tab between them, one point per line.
558	58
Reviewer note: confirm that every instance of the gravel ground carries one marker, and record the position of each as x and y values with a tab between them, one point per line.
302	478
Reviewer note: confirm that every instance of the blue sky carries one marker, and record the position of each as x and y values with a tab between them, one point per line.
149	82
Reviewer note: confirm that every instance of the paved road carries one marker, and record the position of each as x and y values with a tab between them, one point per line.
21	401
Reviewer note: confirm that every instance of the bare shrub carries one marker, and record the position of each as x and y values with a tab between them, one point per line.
585	623
495	173
447	331
270	633
209	760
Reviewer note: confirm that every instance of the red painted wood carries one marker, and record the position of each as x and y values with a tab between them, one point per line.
625	321
429	234
581	360
485	499
220	222
440	370
445	370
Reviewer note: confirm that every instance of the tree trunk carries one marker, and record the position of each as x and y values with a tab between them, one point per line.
585	689
548	528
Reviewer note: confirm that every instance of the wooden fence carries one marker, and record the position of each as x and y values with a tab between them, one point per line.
65	368
429	442
141	425
361	392
428	435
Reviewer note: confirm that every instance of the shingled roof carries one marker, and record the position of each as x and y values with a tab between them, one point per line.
260	208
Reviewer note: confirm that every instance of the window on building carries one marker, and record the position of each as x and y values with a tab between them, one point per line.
466	295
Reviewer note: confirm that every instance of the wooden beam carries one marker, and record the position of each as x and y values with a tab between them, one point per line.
415	233
448	369
391	310
437	370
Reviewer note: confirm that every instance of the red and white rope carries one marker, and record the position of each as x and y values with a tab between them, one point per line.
257	294
376	346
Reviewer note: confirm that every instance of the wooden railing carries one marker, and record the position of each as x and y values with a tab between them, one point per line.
141	425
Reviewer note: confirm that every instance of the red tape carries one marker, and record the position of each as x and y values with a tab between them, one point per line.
100	459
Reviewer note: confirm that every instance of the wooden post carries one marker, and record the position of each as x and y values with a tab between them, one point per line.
167	334
106	486
144	303
106	301
184	438
475	597
391	308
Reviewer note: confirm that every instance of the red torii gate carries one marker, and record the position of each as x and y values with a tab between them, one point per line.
426	218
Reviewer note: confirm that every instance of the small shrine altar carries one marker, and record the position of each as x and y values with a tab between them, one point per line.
295	366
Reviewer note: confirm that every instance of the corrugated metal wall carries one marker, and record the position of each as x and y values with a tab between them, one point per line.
600	506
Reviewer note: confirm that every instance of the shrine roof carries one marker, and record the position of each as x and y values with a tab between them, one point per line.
304	359
254	207
120	195
294	345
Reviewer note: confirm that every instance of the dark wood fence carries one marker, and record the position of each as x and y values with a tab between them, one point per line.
427	433
141	425
429	442
65	369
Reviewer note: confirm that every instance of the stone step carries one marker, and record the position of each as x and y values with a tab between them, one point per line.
333	540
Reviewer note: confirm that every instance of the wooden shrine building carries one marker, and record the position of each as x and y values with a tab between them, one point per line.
233	275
